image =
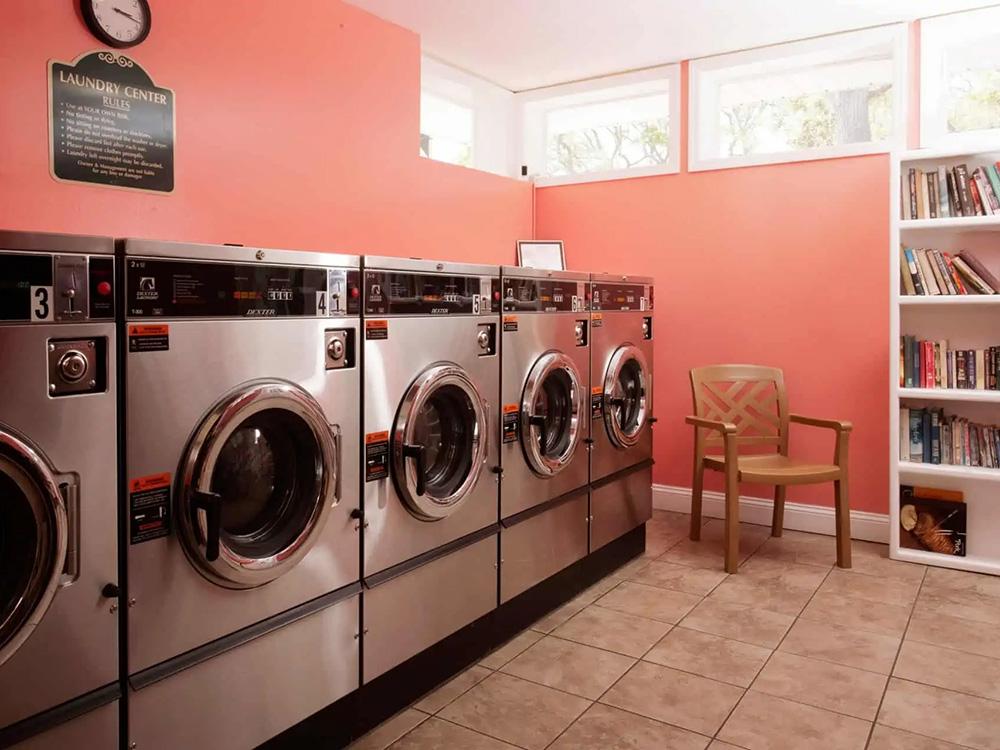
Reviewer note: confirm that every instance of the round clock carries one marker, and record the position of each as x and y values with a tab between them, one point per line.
117	23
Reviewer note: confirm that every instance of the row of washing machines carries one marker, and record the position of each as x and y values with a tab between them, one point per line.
324	465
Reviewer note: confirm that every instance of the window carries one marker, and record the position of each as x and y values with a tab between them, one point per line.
465	120
835	96
605	129
960	77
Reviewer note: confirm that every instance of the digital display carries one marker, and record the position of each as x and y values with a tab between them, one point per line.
396	293
544	295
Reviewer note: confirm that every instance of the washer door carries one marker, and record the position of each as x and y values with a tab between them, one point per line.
33	541
551	406
439	441
626	400
259	479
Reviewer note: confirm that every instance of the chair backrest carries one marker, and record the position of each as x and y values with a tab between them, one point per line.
750	396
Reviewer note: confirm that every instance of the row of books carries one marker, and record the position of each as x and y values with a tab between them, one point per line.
932	519
929	436
946	193
932	272
931	364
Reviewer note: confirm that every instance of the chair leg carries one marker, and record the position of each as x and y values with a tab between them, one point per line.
696	490
732	538
843	519
778	517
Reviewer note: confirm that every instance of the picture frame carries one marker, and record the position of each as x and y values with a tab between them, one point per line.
547	255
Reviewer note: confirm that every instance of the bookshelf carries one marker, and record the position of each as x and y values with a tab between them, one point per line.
966	322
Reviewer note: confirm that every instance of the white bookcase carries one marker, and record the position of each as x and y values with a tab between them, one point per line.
967	322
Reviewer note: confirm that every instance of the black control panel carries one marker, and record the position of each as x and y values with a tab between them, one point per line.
43	287
621	296
544	295
157	288
403	293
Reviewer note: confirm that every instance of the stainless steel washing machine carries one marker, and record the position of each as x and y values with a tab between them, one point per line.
242	410
622	413
432	383
58	492
545	424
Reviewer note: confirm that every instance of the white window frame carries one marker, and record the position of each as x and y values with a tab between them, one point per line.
935	35
896	34
534	106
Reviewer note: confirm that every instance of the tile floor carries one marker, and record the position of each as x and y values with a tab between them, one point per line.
668	652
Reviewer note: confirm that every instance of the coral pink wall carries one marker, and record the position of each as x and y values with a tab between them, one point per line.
297	126
782	265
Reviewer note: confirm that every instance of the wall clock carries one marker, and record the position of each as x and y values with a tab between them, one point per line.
117	23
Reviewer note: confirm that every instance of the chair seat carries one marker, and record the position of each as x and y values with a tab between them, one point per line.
777	469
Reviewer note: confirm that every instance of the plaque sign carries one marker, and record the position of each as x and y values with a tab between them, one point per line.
109	124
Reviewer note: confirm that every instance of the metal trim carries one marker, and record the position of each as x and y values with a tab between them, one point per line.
619	277
519	272
53	717
621	438
231	569
644	464
49	242
376	579
195	656
537	510
540	463
422	265
238	253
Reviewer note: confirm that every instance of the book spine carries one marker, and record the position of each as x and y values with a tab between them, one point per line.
980	369
961	370
907	361
923	205
973	262
935	437
927	273
953	196
972	277
927	363
977	201
916	435
985	190
993	175
956	277
911	263
962	183
950	358
942	269
912	180
925	435
943	197
932	199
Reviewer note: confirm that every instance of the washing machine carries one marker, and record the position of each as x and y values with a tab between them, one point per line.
59	598
242	414
432	385
621	456
545	424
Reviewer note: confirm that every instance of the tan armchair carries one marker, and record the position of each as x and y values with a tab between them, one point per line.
746	405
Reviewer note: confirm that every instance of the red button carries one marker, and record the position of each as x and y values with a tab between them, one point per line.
355	292
104	288
496	296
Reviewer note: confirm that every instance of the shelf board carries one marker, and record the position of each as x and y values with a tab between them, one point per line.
971	563
913	468
951	394
950	152
949	299
985	223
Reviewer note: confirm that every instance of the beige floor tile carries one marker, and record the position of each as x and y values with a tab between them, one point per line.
954	632
719	745
842	645
709	655
760	627
665	575
774	585
875	617
659	541
630	568
558	616
873	560
390	730
515	711
887	738
801	548
684	700
612	630
435	734
953	670
870	588
970	604
442	696
954	580
942	714
510	649
764	722
606	728
570	667
649	601
708	551
672	519
821	684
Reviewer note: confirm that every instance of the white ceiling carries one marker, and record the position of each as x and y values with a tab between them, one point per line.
524	44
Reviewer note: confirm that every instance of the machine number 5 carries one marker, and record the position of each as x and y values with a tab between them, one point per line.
41	304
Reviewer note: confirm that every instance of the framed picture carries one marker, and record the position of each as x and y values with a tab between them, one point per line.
544	254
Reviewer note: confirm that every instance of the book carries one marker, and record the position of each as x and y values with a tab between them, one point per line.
916	435
962	185
911	264
993	175
934	524
971	277
959	284
904	434
989	200
932	436
943	197
973	262
923	207
932	197
953	196
912	191
977	201
942	267
927	273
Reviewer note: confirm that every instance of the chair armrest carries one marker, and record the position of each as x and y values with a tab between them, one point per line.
726	428
832	424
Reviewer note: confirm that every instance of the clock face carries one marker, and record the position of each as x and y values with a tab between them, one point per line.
118	23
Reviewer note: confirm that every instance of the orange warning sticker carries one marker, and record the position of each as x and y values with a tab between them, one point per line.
509	408
596	320
510	322
148	338
151	482
376	330
377	437
149	507
376	456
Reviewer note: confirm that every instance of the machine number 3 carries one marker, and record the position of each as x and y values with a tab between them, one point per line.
41	304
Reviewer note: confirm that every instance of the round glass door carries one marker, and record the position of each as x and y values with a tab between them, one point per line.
33	538
626	399
438	442
259	480
551	407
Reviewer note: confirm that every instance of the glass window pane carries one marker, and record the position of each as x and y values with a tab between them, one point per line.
446	130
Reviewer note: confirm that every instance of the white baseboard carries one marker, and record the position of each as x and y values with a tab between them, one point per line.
871	527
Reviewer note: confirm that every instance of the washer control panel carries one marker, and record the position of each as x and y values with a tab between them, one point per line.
54	288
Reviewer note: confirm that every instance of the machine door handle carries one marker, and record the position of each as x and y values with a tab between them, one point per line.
211	503
538	420
417	453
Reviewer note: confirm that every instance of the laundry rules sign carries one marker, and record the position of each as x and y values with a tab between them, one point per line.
109	124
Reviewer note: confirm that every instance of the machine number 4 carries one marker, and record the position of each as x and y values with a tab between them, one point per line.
41	304
321	308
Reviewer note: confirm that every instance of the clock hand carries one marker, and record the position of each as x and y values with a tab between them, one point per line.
127	15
